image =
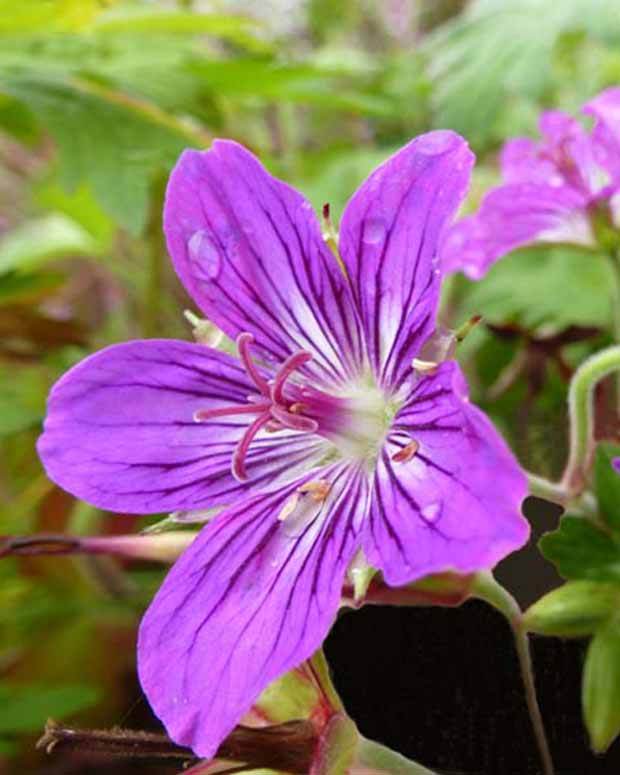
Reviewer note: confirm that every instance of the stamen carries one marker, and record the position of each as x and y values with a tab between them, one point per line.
295	422
289	507
291	364
244	341
238	458
407	452
425	367
224	411
318	489
273	426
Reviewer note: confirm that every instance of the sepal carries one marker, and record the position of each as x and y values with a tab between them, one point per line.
574	610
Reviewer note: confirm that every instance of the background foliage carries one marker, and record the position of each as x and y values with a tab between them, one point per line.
97	99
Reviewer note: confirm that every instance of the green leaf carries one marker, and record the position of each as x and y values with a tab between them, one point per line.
601	687
580	550
25	709
576	609
35	242
239	30
545	286
607	484
17	288
29	15
114	142
306	83
499	50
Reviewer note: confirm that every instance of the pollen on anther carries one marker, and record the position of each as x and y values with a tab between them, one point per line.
288	508
425	367
407	452
317	489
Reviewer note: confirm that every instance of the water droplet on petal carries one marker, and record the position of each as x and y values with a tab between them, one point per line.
431	511
374	231
435	142
203	251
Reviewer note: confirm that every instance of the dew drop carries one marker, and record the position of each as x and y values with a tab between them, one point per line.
435	142
202	251
431	512
374	231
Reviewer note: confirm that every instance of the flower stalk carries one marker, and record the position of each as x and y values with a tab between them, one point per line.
485	587
581	415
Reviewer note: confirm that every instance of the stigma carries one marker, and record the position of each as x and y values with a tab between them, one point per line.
273	406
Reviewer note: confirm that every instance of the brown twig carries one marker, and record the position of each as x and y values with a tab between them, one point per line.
287	747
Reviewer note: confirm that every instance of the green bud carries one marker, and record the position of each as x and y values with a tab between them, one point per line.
601	687
576	609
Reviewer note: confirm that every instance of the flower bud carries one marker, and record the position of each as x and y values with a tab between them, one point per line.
574	610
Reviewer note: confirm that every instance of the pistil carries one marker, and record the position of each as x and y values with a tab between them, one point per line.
275	412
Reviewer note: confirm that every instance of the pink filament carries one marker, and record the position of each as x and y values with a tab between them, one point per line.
244	341
223	411
272	408
241	451
291	364
294	421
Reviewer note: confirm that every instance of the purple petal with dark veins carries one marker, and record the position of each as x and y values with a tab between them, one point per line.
521	161
605	107
388	241
120	432
249	250
513	216
251	598
455	503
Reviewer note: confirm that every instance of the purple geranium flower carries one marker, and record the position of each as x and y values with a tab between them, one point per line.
552	189
319	440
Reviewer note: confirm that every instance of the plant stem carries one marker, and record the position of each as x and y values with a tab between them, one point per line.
486	588
581	414
548	490
614	259
156	252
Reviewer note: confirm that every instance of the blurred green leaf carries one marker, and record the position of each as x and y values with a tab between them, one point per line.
29	15
18	287
545	286
297	83
497	50
34	242
607	483
580	550
115	142
573	610
239	30
601	687
26	708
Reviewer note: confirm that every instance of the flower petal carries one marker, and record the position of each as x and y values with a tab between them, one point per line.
454	503
605	107
388	241
513	216
120	432
251	598
521	161
249	250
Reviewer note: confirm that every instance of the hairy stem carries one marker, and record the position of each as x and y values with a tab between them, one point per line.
548	490
581	415
486	588
614	259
